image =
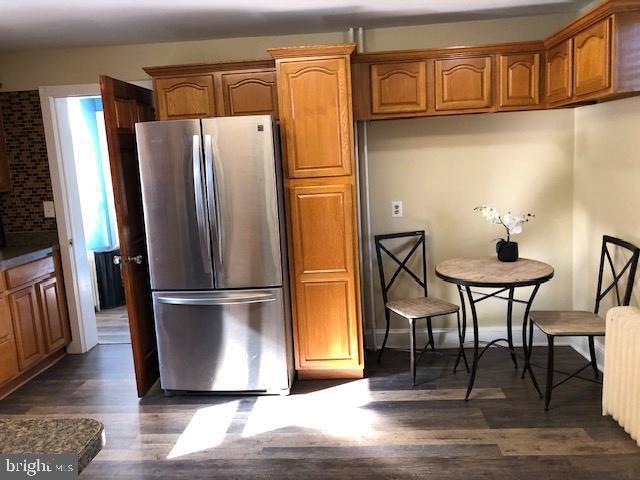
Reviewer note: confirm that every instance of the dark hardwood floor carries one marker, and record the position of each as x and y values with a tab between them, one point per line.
378	427
113	325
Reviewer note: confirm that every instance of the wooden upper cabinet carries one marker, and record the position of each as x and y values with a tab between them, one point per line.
519	80
54	314
463	83
185	97
592	59
559	82
399	87
27	326
5	177
250	93
316	115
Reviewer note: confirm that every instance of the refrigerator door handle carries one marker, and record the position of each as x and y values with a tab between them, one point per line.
225	299
201	214
212	187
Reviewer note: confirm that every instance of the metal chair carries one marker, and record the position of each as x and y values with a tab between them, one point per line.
414	308
582	323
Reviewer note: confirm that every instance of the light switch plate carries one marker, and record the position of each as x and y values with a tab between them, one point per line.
396	208
49	210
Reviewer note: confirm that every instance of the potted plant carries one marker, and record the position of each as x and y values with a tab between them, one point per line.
506	249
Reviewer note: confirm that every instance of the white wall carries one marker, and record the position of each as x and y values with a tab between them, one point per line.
606	190
29	69
442	167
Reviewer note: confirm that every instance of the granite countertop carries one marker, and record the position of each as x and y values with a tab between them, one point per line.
27	246
83	437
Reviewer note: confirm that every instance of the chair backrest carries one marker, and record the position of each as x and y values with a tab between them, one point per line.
631	266
419	240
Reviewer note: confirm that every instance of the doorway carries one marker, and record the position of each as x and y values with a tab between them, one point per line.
85	116
87	226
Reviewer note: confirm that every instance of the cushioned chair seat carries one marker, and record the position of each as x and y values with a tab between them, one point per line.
421	307
568	323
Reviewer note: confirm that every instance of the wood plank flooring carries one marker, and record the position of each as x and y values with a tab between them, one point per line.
113	325
377	427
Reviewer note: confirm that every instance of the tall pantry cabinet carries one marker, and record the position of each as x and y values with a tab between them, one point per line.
316	127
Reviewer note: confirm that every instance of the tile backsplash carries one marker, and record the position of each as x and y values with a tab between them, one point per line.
21	208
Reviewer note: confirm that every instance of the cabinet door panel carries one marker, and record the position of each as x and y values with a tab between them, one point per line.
316	115
463	83
322	221
185	97
519	80
559	72
27	326
8	356
399	87
592	59
252	93
54	314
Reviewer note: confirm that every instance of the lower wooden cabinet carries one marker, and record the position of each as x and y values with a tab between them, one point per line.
27	326
8	356
34	320
327	332
54	314
463	83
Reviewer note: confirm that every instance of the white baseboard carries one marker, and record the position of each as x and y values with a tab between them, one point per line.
448	337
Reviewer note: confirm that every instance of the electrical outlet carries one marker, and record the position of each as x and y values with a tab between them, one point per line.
396	208
49	210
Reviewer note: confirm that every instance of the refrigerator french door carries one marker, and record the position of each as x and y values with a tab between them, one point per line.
214	226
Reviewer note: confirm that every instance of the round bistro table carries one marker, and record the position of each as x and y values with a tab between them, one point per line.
488	272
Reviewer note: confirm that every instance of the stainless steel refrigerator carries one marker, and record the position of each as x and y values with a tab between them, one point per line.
214	221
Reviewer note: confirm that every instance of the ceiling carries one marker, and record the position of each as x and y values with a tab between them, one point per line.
70	23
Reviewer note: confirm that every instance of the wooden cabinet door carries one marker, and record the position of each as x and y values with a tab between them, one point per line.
324	245
463	83
315	113
8	356
27	326
250	93
592	59
559	72
519	80
53	311
185	97
399	87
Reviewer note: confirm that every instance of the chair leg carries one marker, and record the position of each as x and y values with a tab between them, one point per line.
430	333
594	360
412	334
528	360
547	396
386	333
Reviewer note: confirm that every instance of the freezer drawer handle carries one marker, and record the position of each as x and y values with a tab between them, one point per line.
233	300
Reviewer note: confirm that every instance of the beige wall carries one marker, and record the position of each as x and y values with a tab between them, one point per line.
607	189
441	168
27	70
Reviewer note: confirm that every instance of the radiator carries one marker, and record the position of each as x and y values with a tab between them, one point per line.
621	389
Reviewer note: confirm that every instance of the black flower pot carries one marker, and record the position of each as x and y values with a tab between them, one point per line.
507	251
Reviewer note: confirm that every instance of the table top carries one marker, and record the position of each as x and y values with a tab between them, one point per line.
491	272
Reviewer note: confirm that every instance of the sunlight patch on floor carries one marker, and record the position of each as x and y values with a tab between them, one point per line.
336	411
206	429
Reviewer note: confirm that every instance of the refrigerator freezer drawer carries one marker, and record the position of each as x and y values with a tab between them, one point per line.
225	341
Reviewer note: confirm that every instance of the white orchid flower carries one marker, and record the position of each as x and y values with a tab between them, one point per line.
512	223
